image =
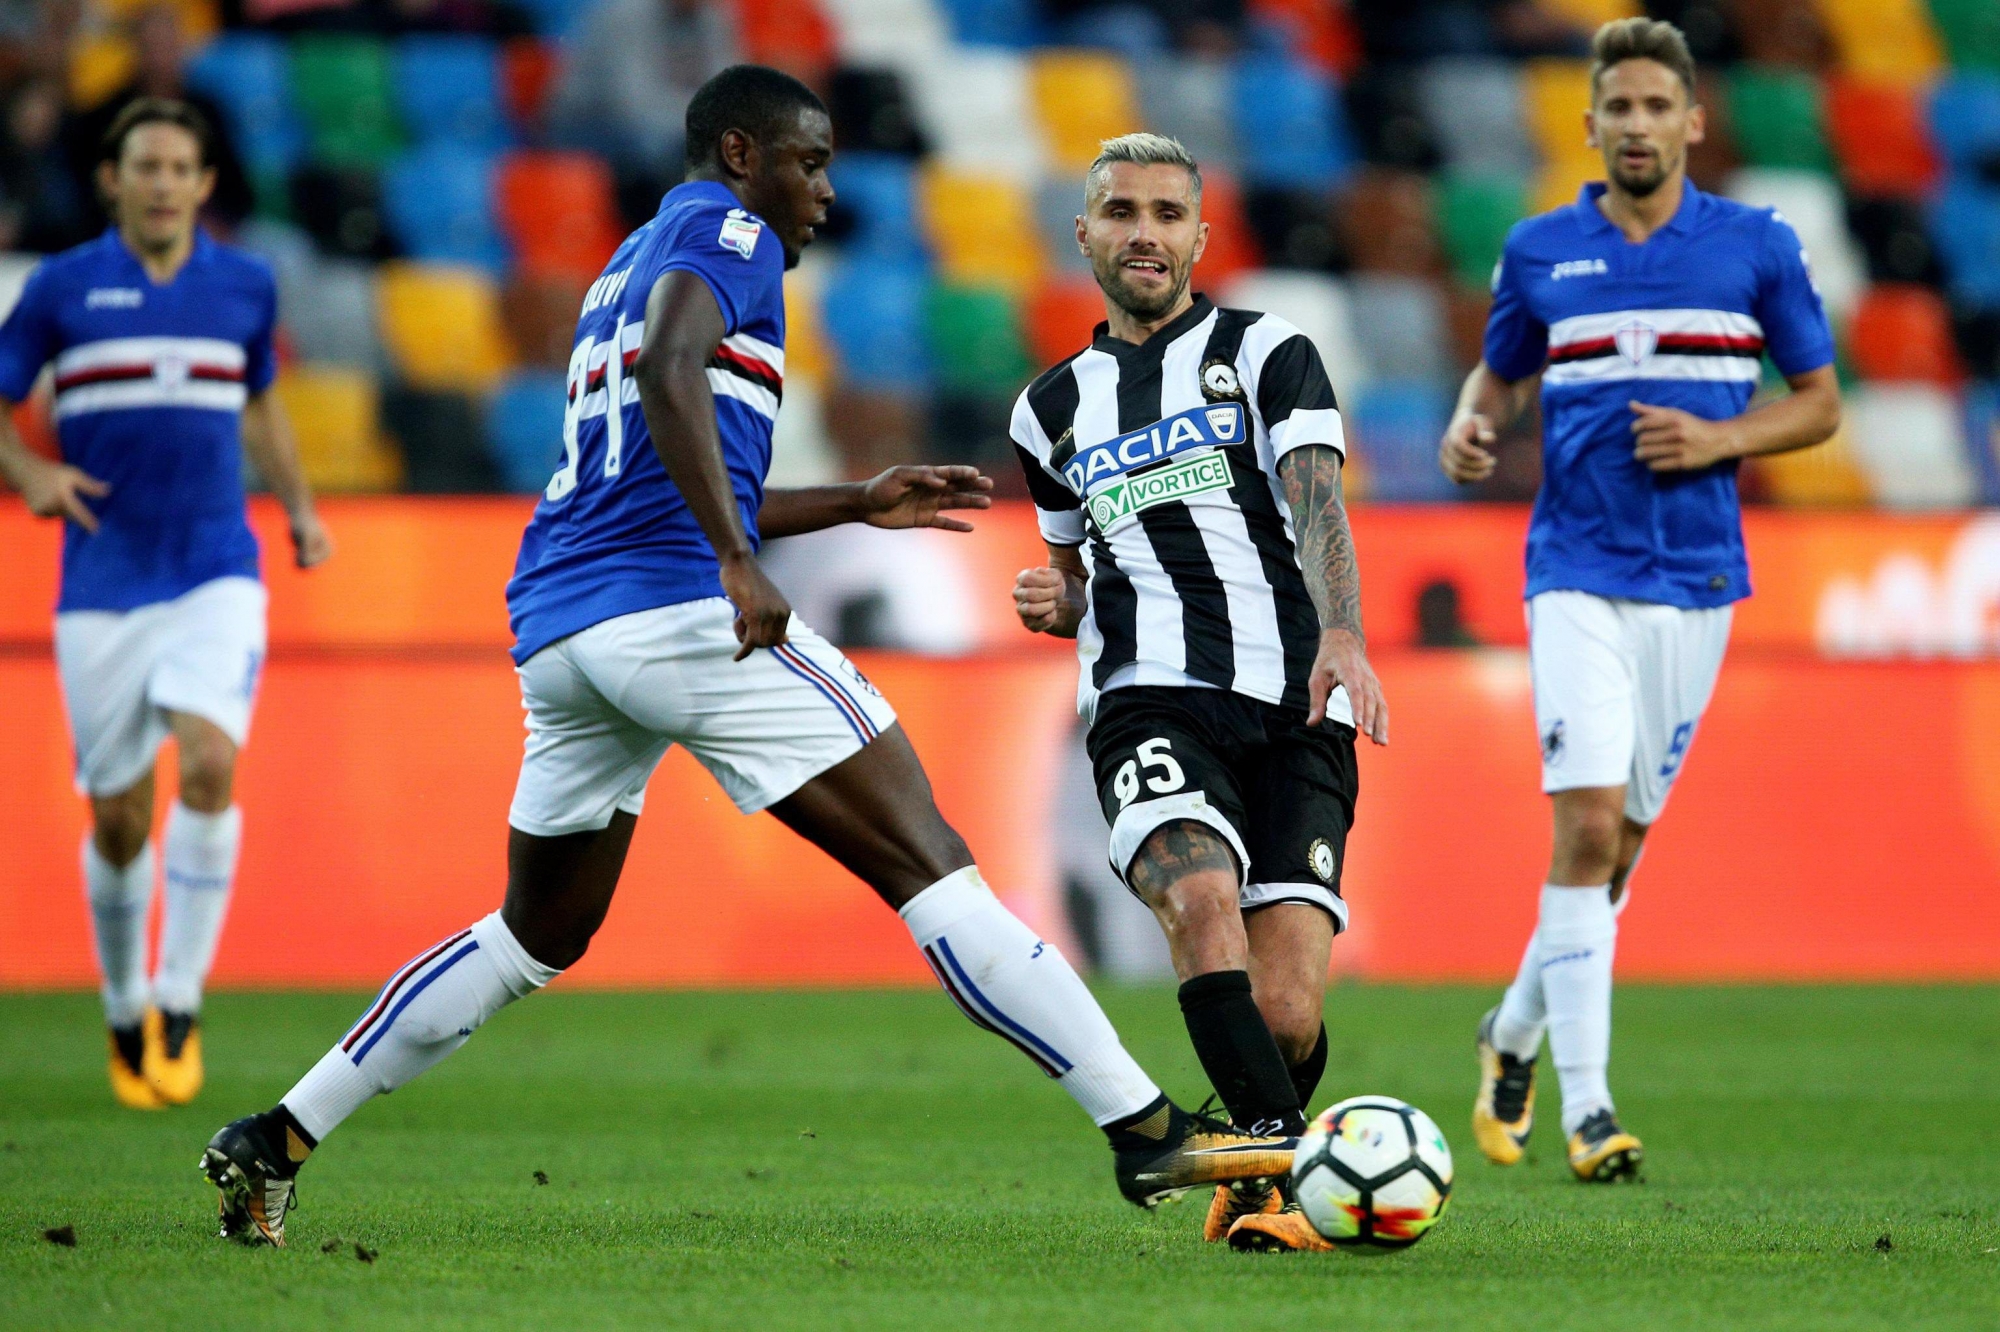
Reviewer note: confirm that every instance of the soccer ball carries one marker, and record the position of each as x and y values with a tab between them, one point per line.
1372	1172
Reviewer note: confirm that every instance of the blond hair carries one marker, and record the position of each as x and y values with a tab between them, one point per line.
1140	149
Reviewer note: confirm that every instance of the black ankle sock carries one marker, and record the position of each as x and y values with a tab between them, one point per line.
131	1044
1307	1073
1238	1054
287	1128
1147	1128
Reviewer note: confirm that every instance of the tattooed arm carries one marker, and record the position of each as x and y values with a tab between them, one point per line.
1311	478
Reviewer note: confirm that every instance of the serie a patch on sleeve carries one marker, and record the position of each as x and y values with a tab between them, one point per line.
739	232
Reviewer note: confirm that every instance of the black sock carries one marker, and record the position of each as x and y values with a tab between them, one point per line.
1238	1054
292	1136
1308	1071
1147	1128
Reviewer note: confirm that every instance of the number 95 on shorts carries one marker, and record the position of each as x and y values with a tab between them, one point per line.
1279	792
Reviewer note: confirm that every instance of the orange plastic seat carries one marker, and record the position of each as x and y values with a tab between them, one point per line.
1232	245
1323	33
1060	316
1881	137
559	211
792	35
1903	333
528	70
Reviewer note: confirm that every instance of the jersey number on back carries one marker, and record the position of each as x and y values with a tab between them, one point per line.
595	386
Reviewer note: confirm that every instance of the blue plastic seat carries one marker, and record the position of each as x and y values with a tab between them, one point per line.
881	191
1965	223
994	22
873	312
1965	118
249	74
1396	425
1290	123
554	18
524	424
448	87
439	202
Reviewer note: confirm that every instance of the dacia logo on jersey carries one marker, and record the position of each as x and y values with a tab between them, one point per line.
1176	481
1195	428
739	232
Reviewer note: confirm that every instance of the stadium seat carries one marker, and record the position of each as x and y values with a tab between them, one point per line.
1903	333
333	411
528	70
1189	98
1556	93
249	76
1232	243
1319	306
554	18
801	454
332	317
1965	119
1324	34
1475	106
792	35
981	229
1393	428
558	211
441	325
1060	316
1474	214
438	201
1291	124
872	113
1884	41
908	36
1812	203
880	192
524	428
99	65
1385	216
1909	439
1982	438
448	87
873	312
1881	138
1971	31
975	339
807	355
994	22
1825	476
442	439
978	105
341	85
1400	325
1058	200
1965	220
1082	98
1778	119
1592	13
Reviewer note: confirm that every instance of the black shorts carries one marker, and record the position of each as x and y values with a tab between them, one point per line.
1280	792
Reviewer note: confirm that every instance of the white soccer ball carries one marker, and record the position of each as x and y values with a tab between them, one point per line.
1372	1172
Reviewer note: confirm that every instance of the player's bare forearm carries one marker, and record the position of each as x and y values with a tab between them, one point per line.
915	495
1487	404
268	439
1500	401
1053	600
809	509
1667	439
1325	546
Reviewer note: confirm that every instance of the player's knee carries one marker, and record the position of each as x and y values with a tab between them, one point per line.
1591	835
120	827
1294	1020
208	775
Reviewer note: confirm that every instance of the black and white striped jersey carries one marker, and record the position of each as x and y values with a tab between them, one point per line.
1160	460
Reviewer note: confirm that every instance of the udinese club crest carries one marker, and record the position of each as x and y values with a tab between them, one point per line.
1220	383
1320	856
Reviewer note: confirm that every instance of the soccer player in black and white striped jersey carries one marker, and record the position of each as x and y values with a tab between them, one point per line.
1186	470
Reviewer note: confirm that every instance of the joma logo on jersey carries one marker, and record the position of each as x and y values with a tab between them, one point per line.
1189	476
1196	428
1570	268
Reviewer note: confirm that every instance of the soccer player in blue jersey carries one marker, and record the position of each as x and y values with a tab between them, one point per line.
1645	309
643	620
161	344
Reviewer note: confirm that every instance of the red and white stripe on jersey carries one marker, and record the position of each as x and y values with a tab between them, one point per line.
590	370
117	373
1654	344
750	371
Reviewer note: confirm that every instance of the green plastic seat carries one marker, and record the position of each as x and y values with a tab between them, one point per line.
342	86
1474	213
1971	31
975	339
1779	118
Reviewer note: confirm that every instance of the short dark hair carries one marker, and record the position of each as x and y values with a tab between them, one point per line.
157	111
1641	39
753	98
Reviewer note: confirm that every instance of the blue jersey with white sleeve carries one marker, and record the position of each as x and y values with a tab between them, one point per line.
1681	320
150	383
612	534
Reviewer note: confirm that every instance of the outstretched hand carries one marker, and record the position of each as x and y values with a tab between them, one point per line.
916	496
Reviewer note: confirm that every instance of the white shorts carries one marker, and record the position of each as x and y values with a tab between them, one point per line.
1619	688
124	671
604	705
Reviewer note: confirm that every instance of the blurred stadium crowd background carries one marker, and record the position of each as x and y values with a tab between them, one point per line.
436	181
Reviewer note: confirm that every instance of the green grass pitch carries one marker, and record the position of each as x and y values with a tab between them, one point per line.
863	1160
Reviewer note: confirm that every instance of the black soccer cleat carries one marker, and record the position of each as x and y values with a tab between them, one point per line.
253	1165
1172	1151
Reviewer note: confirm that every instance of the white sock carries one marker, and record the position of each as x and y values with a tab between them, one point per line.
1578	936
201	868
1021	989
120	899
1523	1017
440	997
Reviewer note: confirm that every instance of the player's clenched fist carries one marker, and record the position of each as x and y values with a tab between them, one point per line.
1046	602
1466	453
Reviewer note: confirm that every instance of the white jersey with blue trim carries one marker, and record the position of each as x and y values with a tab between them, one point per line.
612	534
150	383
1681	320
